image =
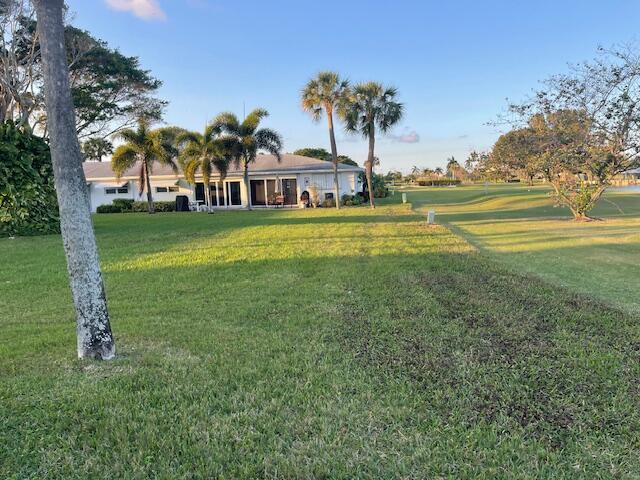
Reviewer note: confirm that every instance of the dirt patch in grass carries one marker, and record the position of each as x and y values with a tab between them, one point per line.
486	345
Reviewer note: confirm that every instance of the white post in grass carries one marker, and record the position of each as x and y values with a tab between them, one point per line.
431	217
404	198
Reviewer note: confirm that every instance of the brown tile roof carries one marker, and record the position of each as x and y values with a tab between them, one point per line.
263	163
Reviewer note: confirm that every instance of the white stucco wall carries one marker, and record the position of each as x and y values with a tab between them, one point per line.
348	184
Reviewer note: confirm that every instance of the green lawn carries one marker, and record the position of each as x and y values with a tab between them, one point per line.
311	344
520	227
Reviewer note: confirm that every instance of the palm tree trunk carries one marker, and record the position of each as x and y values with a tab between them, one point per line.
152	207
94	336
207	193
246	184
334	158
369	166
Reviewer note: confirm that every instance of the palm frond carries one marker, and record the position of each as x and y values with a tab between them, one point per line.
251	122
124	157
269	140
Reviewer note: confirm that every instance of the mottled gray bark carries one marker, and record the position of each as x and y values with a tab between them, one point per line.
369	166
334	157
95	339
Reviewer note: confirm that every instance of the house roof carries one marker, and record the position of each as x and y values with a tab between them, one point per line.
263	164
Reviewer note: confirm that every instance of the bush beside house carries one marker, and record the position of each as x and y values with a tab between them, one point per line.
28	203
124	205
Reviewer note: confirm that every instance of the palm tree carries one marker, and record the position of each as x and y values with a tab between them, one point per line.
452	166
325	93
147	147
204	152
371	106
93	330
244	139
439	171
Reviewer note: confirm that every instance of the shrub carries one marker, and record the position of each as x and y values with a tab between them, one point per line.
351	200
109	208
124	204
160	206
28	204
438	182
328	203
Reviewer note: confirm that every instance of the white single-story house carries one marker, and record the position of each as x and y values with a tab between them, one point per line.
290	177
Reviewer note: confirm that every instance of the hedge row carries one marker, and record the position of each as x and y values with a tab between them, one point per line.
438	182
125	205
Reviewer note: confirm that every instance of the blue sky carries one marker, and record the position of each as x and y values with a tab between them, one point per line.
455	63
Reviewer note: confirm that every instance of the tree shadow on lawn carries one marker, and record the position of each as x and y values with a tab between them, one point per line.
506	350
481	348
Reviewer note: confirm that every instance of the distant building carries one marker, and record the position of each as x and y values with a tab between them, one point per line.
291	177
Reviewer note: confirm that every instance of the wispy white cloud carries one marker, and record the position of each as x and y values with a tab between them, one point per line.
407	136
144	9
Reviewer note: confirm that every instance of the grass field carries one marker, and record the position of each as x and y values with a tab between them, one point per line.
313	344
521	227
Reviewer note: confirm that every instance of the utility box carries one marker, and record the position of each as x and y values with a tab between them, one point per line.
404	198
431	217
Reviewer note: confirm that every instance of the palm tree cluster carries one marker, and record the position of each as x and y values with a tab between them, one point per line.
364	108
225	142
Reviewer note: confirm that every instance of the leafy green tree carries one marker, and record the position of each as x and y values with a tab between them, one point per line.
371	106
28	204
319	153
347	160
143	148
244	140
93	329
585	126
324	94
206	152
109	90
96	149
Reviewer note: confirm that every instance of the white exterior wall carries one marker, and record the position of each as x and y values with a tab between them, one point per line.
348	185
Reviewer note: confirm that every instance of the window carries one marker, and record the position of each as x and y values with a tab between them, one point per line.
174	189
161	189
114	190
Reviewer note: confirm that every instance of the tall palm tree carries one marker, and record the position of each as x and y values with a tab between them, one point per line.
452	167
325	93
205	152
371	106
147	147
244	139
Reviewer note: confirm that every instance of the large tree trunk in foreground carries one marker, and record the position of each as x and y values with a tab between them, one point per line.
95	339
369	166
334	158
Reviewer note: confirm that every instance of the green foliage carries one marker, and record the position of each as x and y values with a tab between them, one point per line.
159	206
96	149
125	204
319	153
109	89
109	208
328	203
351	200
438	182
28	204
